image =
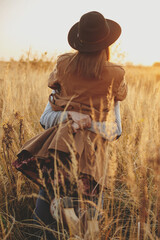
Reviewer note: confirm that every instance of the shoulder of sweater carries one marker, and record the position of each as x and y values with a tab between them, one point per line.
64	57
114	66
62	61
116	70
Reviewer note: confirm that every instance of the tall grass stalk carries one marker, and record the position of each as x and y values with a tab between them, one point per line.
131	201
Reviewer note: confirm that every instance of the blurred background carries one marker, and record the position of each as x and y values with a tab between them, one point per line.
42	26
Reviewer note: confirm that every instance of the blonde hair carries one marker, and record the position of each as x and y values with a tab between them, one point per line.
88	65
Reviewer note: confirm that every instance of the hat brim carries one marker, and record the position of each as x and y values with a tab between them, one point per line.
75	43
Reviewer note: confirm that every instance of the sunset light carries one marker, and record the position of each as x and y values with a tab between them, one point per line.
43	25
80	132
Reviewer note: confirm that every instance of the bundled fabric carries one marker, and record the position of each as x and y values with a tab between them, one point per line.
73	154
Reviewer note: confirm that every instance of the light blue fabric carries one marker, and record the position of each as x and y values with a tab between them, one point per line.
51	118
108	130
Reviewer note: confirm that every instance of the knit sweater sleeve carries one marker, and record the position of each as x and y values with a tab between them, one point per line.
50	118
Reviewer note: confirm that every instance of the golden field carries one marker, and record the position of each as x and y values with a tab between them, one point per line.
132	200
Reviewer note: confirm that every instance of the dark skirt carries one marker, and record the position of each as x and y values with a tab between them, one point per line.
56	174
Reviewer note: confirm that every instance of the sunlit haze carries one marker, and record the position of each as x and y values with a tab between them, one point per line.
43	25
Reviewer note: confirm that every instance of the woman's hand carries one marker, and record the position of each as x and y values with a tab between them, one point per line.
80	120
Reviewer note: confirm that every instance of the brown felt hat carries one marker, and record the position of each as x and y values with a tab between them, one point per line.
93	33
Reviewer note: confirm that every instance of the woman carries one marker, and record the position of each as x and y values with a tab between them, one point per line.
84	82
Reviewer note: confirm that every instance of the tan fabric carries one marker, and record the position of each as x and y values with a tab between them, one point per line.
81	146
76	95
80	94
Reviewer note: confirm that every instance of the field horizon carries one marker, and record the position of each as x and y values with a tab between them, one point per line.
132	200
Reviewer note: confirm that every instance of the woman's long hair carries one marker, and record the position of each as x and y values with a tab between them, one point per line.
88	65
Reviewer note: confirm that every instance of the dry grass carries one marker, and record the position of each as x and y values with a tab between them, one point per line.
132	200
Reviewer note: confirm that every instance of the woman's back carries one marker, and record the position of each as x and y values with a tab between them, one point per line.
86	90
